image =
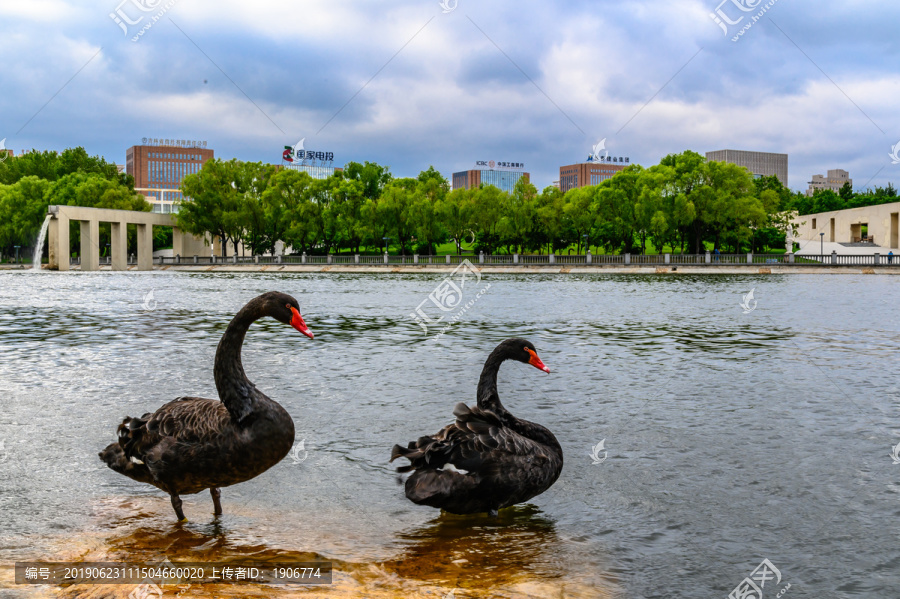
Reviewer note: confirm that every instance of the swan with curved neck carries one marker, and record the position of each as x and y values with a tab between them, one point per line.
488	459
191	444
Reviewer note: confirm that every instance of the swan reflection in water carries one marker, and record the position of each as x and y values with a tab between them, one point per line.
517	554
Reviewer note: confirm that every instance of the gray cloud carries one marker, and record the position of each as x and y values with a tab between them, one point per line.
450	96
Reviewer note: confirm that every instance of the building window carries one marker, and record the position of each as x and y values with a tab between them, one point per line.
814	223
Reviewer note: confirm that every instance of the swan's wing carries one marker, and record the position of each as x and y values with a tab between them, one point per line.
184	420
477	443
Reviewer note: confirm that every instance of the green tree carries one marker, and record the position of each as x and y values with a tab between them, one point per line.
455	212
212	203
519	211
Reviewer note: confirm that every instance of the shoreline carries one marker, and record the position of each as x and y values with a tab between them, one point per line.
729	269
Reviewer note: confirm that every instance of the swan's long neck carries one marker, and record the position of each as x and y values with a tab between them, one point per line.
489	399
235	390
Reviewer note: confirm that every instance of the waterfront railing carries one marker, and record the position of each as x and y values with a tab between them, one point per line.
637	260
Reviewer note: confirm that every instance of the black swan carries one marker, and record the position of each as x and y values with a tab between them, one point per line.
191	443
488	459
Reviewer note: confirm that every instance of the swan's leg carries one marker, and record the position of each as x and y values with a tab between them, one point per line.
217	504
176	503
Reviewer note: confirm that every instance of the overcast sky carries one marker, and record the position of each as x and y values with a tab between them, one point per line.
409	85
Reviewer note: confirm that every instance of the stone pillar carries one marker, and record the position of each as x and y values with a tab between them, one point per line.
628	258
329	259
90	245
448	258
58	256
587	257
415	258
177	242
790	258
303	258
668	258
707	257
552	258
481	257
256	259
749	258
515	258
145	247
877	258
356	258
385	257
833	257
118	246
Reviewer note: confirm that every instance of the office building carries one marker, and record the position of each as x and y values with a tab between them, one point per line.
760	164
159	165
314	171
502	175
834	181
587	173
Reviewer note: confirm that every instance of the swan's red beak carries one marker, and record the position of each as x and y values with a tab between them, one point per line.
536	362
297	323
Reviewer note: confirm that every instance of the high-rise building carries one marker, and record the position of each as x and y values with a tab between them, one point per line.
317	164
504	178
760	164
314	171
586	173
834	181
159	165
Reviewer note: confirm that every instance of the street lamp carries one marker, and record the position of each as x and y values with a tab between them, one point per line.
385	240
822	246
586	249
17	253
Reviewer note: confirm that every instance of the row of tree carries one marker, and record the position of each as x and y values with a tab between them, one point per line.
31	182
825	200
683	203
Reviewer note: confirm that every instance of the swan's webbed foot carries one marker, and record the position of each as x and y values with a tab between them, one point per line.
217	503
176	503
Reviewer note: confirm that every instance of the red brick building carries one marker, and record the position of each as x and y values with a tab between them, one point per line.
587	173
159	165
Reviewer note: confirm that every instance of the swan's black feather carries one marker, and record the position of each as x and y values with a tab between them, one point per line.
191	443
486	460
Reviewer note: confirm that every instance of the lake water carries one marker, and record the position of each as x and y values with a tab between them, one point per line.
730	436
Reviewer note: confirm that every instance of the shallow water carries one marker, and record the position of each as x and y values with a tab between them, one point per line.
730	437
